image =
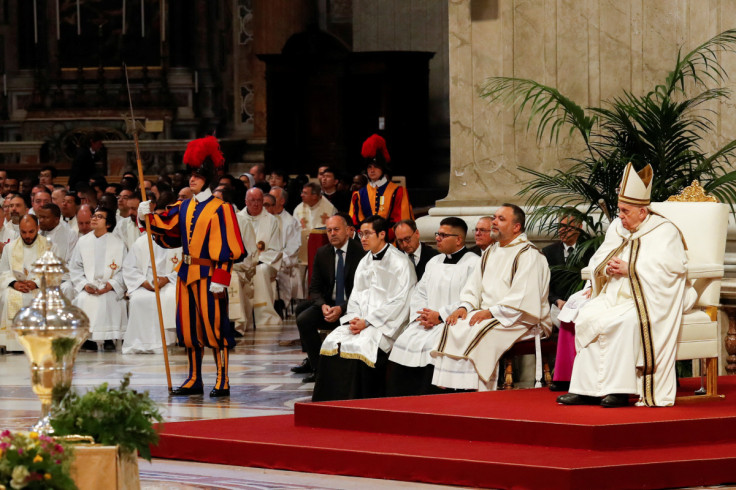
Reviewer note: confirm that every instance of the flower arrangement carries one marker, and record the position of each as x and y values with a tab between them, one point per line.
29	460
122	417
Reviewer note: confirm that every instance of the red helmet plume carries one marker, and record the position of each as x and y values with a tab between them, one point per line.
200	149
372	146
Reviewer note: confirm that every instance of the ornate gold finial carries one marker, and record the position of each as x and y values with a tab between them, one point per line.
693	193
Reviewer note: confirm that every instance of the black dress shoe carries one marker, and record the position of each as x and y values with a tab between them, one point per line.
183	391
89	345
303	368
615	400
312	378
109	345
219	392
559	386
574	399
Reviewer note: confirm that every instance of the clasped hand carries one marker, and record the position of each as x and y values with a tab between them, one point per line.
357	325
90	289
617	267
428	318
331	313
24	286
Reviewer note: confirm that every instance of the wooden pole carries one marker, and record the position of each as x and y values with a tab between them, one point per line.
148	234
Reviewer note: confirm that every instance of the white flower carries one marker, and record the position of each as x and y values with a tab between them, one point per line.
20	475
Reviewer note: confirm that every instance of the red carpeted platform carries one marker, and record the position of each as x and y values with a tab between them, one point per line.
508	439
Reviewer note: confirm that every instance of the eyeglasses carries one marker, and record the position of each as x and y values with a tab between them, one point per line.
366	234
482	230
99	216
442	236
406	240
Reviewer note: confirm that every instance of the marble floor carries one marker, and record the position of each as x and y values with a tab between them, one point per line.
261	384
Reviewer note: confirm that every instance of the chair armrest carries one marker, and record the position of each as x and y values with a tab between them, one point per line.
705	271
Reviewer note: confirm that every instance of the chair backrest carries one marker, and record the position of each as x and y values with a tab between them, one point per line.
704	226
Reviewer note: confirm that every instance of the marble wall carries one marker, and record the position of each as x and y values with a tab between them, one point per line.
590	50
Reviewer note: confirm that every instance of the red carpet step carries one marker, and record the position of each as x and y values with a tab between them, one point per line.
510	439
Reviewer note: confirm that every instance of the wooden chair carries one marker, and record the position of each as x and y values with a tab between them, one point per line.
543	375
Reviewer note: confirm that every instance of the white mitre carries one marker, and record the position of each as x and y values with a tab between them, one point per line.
636	187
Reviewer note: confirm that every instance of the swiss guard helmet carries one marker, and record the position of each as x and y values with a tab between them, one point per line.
374	152
203	156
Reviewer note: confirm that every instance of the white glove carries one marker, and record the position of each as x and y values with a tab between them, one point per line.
216	288
144	208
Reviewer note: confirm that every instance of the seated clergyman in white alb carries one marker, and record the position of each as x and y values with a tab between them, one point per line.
626	335
143	334
354	355
435	297
19	284
505	300
262	240
96	274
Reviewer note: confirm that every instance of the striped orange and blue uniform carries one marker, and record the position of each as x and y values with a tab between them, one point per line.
389	201
208	232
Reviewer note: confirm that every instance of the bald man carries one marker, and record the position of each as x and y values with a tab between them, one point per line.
18	285
257	273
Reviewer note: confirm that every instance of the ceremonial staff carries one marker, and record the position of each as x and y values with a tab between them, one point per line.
147	219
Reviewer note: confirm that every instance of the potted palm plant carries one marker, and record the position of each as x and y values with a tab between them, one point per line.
664	128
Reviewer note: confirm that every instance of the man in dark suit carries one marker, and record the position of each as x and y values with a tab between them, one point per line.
328	295
557	254
407	240
86	162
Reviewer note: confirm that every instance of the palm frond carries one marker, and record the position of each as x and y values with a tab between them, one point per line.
553	109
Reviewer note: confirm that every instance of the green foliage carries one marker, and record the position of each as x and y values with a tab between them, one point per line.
664	128
32	461
111	416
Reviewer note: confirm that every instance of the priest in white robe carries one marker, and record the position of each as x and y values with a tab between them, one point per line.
143	334
504	300
257	273
126	229
435	297
7	232
96	274
626	335
19	284
290	277
63	240
354	356
314	209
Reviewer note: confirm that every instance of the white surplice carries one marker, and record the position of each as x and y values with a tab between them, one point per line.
439	290
7	233
127	230
97	261
16	263
257	273
143	334
380	296
512	282
63	240
626	335
289	277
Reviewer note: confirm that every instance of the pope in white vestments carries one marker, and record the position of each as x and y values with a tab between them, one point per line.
504	300
354	355
435	297
143	334
96	274
626	335
262	240
19	284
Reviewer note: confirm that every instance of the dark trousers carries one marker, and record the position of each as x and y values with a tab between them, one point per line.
350	379
310	321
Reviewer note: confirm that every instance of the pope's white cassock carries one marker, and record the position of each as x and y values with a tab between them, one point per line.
127	230
513	283
626	335
288	277
143	334
314	216
257	273
63	240
16	263
439	290
97	261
